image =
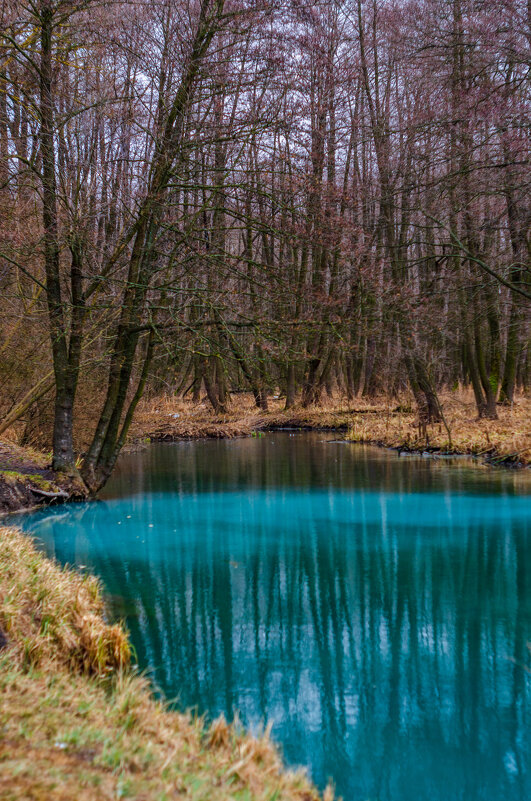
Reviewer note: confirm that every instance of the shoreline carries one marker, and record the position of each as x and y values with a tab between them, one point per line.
491	455
505	442
27	482
491	458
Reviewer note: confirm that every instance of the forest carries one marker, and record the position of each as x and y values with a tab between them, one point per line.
265	363
206	197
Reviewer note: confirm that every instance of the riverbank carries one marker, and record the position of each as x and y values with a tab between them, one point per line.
382	422
502	442
76	722
167	418
27	480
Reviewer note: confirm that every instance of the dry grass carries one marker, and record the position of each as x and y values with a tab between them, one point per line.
75	724
168	417
52	615
10	452
503	441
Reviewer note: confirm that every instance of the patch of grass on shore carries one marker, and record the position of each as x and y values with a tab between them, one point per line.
167	417
506	440
32	478
76	723
15	454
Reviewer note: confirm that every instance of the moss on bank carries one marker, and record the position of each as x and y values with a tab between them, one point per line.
26	480
76	723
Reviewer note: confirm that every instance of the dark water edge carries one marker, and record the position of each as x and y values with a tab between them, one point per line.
377	609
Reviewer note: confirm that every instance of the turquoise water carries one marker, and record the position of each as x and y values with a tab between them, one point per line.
375	609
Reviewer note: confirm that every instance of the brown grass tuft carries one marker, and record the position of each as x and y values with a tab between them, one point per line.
52	614
219	733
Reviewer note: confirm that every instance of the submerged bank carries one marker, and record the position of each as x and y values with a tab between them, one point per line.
76	722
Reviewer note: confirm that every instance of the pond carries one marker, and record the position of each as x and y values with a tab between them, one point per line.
375	609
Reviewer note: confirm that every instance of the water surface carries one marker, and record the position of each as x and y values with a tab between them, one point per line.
376	609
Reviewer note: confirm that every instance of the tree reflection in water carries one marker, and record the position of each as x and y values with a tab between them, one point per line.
375	609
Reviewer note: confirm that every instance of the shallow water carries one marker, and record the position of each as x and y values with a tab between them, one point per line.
376	609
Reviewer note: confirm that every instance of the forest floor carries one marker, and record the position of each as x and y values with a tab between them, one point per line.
77	723
386	422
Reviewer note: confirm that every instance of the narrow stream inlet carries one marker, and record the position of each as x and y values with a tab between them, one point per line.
375	609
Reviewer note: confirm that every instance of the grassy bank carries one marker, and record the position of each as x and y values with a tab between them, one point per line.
76	723
170	418
505	441
381	421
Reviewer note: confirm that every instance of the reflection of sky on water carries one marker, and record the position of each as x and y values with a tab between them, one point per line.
376	609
